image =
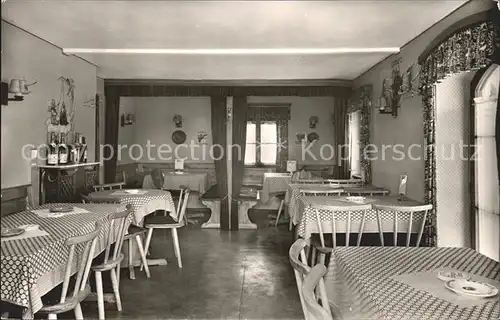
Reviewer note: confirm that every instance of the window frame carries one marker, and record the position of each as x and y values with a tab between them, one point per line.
258	163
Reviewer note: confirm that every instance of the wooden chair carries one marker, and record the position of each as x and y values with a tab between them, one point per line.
133	232
111	186
337	211
367	192
320	192
298	259
120	222
166	222
280	196
314	282
398	211
81	288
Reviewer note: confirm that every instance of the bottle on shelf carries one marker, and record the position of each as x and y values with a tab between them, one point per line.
85	151
76	148
52	150
63	150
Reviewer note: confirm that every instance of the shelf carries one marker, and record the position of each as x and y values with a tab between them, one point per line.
68	166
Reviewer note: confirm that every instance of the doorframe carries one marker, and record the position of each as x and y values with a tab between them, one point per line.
472	149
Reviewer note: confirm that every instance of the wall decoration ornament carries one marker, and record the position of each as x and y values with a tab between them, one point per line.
362	101
469	48
61	113
178	121
313	121
201	137
179	137
301	137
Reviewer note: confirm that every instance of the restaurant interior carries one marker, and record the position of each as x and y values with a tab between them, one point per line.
250	159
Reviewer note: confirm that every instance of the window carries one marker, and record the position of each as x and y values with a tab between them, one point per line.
354	151
262	143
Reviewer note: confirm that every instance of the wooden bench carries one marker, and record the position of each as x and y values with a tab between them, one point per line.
246	200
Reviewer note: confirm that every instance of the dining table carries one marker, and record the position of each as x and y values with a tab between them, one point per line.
195	181
402	283
292	195
34	262
143	201
304	216
274	182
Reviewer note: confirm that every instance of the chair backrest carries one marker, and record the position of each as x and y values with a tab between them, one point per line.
182	205
86	199
298	260
120	221
109	186
320	192
410	213
345	183
313	283
339	213
88	241
158	178
367	192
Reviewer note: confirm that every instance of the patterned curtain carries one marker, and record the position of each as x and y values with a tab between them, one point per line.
112	113
268	113
240	108
469	49
362	101
341	136
282	148
219	132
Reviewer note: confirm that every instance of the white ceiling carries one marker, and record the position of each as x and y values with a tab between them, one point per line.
228	25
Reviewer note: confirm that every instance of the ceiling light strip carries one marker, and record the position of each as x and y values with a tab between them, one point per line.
232	51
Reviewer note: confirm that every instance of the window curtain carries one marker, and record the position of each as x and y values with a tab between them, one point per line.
282	148
111	135
240	109
362	101
218	106
341	137
470	48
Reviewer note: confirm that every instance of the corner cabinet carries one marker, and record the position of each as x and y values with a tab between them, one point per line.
67	183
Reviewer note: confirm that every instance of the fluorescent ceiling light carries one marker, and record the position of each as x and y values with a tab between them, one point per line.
234	51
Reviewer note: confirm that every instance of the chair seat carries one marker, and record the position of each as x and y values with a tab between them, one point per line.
280	195
174	193
134	231
162	222
108	265
67	305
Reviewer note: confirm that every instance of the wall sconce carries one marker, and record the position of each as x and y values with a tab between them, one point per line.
313	121
17	87
178	121
127	119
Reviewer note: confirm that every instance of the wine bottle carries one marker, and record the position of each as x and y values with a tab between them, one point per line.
84	151
76	148
52	155
63	150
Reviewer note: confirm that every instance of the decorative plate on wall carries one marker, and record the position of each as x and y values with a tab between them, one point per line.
179	137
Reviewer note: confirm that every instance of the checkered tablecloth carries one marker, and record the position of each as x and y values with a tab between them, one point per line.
360	282
305	215
293	194
274	182
31	267
142	204
195	181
